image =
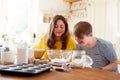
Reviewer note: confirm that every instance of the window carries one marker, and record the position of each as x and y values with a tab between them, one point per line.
13	16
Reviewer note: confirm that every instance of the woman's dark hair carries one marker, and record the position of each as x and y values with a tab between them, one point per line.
82	28
51	37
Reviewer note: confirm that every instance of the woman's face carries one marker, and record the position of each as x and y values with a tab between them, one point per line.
59	28
82	41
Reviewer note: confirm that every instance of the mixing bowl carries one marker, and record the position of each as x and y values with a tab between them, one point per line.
59	56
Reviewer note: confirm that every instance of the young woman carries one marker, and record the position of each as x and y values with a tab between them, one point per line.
101	51
57	38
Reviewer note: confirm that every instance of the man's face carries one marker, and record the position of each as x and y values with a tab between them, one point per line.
82	41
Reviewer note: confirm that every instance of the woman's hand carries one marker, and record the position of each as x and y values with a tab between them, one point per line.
31	60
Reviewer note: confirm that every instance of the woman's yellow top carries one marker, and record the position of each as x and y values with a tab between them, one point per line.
43	45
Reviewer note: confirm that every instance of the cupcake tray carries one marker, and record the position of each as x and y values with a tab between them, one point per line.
25	69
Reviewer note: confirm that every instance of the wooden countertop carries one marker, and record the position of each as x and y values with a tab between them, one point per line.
74	74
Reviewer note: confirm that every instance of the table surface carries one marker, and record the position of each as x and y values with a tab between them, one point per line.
73	74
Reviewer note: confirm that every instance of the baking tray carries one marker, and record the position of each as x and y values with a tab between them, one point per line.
25	69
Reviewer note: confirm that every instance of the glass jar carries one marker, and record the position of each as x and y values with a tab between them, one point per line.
9	52
80	59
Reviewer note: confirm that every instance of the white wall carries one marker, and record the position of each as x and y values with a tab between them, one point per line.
103	16
51	5
3	14
99	18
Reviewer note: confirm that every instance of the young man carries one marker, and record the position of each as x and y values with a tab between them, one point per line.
101	51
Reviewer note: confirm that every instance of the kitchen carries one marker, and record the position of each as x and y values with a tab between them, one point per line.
104	18
34	17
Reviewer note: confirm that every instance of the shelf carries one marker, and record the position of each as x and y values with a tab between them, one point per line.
71	0
81	5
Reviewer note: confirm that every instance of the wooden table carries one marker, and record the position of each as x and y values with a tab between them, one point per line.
74	74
